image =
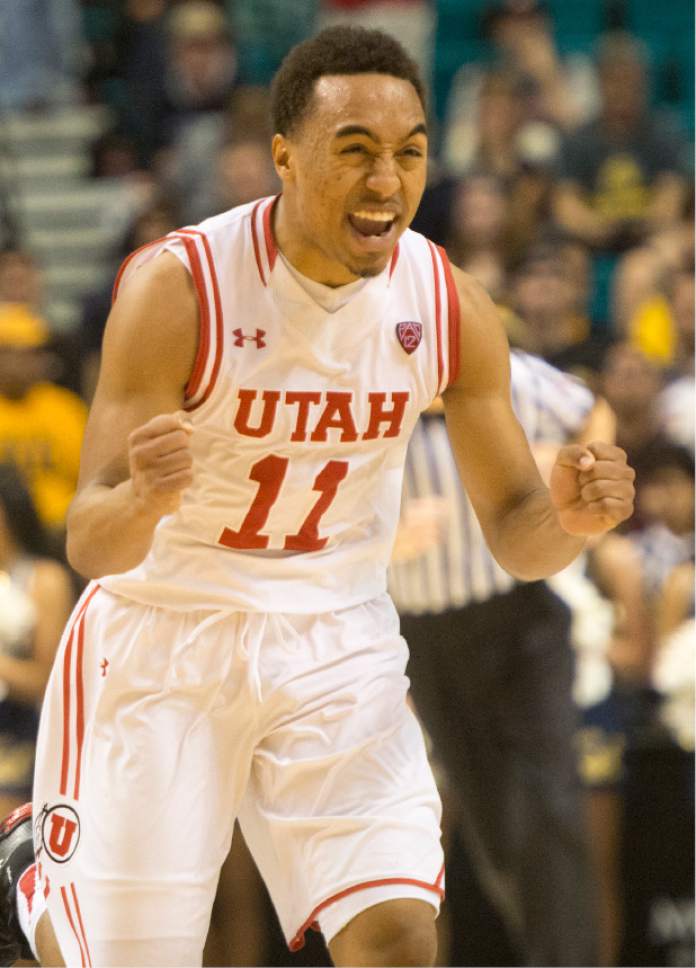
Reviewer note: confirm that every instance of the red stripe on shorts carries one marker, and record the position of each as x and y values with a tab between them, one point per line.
66	905
65	762
80	700
82	927
298	941
66	716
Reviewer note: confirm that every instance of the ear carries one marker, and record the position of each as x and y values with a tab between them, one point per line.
281	150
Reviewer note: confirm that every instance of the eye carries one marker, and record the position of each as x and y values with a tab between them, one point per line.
412	152
354	150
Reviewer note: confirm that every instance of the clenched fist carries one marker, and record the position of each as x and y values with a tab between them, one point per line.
592	488
161	464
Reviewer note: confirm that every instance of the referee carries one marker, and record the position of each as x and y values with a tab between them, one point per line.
491	673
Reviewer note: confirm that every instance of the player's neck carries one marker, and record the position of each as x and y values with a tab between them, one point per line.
302	255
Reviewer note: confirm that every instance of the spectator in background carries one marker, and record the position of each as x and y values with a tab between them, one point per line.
20	279
243	173
666	505
557	92
622	175
40	46
36	597
478	237
561	91
550	291
180	68
412	21
41	424
487	140
242	170
677	401
640	303
631	384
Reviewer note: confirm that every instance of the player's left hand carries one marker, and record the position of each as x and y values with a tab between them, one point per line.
592	488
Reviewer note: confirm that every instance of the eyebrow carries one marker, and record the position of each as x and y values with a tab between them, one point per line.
353	129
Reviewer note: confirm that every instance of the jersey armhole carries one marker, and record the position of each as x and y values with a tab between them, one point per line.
192	248
453	319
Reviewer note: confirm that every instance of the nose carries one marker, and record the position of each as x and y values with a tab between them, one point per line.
383	179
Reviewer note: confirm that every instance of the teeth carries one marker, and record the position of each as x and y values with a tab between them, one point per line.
376	216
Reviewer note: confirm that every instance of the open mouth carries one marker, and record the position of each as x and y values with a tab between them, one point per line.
370	224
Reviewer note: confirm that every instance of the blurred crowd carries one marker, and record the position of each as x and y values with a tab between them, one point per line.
561	178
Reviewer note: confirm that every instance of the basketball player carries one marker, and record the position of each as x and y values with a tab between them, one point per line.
236	653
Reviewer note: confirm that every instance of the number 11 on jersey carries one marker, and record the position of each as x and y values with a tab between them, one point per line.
269	473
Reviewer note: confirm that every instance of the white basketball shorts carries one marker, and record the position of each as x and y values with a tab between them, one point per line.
160	727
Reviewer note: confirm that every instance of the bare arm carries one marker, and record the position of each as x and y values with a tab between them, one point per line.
135	457
532	531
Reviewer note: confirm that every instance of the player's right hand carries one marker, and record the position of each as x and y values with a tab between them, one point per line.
161	463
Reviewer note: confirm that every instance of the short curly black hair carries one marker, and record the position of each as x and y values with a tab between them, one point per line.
336	50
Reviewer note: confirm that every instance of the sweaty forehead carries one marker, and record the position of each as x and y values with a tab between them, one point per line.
388	106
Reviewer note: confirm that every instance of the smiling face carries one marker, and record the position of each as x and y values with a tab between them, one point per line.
353	174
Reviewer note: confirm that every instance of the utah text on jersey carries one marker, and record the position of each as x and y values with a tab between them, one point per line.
301	420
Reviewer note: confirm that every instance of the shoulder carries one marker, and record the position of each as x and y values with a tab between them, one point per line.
484	349
157	303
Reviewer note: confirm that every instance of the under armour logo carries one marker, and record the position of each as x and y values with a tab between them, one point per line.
239	338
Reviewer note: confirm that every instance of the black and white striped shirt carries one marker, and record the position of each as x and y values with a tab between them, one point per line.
551	407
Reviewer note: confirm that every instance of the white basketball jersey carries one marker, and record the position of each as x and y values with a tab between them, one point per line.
301	420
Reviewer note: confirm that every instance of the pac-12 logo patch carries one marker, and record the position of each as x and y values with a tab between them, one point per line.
409	334
60	832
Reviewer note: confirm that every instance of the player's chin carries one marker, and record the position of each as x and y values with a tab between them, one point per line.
367	266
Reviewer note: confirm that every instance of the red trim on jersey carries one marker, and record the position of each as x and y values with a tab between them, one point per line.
438	317
271	250
82	927
194	380
127	261
66	716
65	764
311	922
66	905
254	239
453	315
80	710
218	320
394	260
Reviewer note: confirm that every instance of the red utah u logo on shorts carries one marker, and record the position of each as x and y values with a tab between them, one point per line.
60	832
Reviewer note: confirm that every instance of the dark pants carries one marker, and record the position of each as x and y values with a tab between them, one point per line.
492	685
